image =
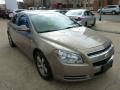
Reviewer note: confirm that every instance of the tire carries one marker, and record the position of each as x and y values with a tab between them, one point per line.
86	24
103	13
11	41
113	12
42	66
94	23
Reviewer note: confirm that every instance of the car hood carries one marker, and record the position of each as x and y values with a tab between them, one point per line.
81	38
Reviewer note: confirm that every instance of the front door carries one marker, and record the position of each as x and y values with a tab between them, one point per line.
24	37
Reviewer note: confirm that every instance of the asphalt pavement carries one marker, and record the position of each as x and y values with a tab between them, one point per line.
109	17
109	23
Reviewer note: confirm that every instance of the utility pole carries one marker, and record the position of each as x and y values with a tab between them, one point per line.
42	3
101	5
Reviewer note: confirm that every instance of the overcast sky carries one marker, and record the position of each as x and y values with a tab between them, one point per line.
3	1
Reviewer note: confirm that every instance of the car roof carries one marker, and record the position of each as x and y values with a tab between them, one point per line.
37	12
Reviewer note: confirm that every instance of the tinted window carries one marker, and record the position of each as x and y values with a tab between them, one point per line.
87	13
23	20
111	6
51	22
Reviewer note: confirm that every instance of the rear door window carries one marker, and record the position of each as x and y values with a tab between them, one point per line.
111	6
87	13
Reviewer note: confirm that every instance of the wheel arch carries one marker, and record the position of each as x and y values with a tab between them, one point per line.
35	50
38	50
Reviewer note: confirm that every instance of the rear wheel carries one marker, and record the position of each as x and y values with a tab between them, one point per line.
86	24
103	13
113	12
94	22
11	41
42	66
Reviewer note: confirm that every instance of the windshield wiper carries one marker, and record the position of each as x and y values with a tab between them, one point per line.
71	27
47	31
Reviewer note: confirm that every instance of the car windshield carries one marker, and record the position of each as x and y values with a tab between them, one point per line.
52	22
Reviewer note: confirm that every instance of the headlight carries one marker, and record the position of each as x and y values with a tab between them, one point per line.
69	57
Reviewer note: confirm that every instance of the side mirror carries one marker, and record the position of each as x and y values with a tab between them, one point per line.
23	28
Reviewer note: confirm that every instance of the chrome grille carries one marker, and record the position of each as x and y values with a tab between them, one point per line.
98	52
101	62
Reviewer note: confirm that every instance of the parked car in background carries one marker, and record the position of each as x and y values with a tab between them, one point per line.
82	16
59	10
4	14
61	48
14	12
114	9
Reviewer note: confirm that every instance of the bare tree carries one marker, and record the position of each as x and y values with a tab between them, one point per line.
75	2
88	4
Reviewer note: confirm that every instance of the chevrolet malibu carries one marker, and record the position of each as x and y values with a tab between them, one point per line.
60	48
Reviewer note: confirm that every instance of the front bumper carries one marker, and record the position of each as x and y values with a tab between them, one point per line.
94	65
84	72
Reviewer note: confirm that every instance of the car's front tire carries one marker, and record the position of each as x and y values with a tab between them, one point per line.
12	44
42	66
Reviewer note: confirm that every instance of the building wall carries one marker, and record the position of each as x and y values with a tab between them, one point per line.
28	3
2	6
93	4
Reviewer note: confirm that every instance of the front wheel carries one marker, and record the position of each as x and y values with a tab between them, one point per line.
42	66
